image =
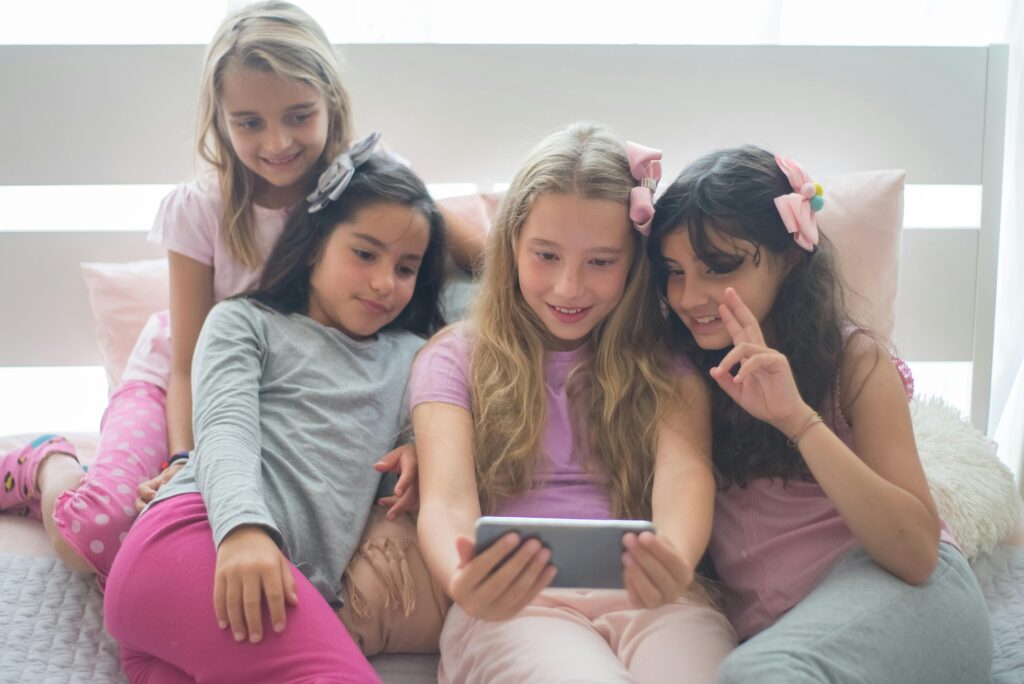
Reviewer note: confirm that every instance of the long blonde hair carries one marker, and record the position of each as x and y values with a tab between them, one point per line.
618	394
275	37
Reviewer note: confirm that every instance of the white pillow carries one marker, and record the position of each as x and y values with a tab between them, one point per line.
973	490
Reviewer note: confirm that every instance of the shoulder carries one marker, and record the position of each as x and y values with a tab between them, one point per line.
865	360
454	339
199	193
233	314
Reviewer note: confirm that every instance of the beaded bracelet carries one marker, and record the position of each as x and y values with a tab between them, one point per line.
811	420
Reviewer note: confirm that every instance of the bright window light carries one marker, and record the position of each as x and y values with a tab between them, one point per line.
38	399
656	22
79	207
950	380
942	206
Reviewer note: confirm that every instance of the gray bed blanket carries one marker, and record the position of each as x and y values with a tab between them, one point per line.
51	630
51	627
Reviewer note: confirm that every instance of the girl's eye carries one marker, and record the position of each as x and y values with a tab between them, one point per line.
301	118
675	273
363	254
407	271
248	124
546	256
602	262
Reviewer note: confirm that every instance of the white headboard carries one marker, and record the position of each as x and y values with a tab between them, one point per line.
82	115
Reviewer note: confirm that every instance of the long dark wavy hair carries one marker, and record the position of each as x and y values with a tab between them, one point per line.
726	203
284	285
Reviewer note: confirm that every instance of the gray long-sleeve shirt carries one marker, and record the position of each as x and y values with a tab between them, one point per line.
289	417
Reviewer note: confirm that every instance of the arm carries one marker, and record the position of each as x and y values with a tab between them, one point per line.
191	291
684	486
659	568
449	509
250	565
881	491
466	239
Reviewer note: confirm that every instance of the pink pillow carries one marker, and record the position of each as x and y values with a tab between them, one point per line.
863	216
123	296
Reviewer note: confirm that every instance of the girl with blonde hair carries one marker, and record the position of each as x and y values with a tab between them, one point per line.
273	113
557	400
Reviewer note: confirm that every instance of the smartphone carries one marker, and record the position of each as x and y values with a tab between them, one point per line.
587	553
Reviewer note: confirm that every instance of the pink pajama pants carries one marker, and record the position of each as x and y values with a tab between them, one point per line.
94	518
587	636
159	606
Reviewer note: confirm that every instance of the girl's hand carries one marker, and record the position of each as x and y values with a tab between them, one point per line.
653	571
147	490
406	496
502	580
764	385
249	567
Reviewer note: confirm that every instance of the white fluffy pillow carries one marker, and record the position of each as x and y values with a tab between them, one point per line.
975	493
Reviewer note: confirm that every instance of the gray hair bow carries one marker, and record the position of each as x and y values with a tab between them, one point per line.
336	178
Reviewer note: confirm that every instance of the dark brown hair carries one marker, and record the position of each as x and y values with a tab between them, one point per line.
284	285
726	203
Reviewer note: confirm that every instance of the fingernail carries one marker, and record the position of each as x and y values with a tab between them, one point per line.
239	636
223	624
278	627
255	638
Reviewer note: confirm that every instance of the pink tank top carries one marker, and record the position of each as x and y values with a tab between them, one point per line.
773	541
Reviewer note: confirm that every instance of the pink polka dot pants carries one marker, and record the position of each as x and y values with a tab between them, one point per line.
94	518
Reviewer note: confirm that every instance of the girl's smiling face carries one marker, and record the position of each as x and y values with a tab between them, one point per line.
695	289
278	129
573	257
366	273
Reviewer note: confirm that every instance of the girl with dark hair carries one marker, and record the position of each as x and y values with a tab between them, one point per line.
299	388
835	564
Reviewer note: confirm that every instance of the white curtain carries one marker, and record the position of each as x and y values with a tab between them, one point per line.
1007	407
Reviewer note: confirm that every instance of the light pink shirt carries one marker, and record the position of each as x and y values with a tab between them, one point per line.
772	542
189	222
563	486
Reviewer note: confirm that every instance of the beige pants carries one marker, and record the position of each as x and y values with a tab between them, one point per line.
587	636
391	602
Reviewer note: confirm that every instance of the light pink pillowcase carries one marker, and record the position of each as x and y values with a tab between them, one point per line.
123	296
863	216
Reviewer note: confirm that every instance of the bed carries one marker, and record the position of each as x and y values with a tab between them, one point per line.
465	115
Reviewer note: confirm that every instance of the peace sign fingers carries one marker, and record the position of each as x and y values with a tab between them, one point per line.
738	319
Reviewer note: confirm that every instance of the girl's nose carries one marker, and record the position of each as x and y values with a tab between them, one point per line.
568	285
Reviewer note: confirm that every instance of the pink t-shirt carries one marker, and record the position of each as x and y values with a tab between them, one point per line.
189	222
563	486
772	542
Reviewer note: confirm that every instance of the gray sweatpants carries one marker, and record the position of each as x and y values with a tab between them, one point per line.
862	625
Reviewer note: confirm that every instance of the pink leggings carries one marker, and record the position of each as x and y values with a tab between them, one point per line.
94	518
159	606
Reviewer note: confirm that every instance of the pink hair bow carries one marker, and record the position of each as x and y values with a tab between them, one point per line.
798	208
645	165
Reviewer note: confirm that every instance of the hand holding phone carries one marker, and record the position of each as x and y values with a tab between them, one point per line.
497	582
655	573
587	553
